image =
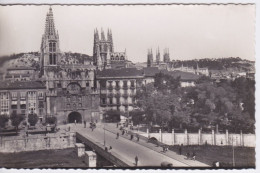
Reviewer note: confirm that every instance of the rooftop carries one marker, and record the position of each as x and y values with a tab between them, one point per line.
20	68
120	73
9	85
150	71
184	75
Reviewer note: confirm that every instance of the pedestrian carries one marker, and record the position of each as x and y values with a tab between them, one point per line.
180	150
123	132
136	160
68	129
131	137
116	125
193	156
117	135
84	124
75	122
137	138
27	133
163	148
188	156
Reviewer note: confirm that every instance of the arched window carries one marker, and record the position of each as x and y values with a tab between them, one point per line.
50	59
117	58
121	58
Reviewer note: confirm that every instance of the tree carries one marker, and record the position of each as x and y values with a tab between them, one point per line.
112	115
32	119
16	119
3	120
51	120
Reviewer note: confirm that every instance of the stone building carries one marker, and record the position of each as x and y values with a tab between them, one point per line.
118	88
20	74
23	97
104	56
71	91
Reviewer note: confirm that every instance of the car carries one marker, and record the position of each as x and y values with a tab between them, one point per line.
166	164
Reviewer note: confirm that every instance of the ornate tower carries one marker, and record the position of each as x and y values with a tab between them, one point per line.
166	56
50	49
158	58
150	58
102	47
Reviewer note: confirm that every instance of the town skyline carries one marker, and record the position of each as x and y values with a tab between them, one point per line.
76	30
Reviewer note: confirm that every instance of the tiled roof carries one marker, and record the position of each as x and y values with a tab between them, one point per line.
185	76
150	71
9	85
120	73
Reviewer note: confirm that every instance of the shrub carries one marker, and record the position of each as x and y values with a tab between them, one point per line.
32	119
16	119
51	120
3	120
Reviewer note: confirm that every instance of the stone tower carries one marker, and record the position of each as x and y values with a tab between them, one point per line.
166	56
158	58
50	49
150	58
102	47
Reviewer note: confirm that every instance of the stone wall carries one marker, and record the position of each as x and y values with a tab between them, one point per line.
36	143
220	139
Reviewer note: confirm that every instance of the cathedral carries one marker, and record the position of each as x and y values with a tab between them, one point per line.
71	90
104	56
158	63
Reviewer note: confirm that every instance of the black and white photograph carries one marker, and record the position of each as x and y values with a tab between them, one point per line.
155	86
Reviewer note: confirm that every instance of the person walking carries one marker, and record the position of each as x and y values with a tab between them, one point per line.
85	124
193	156
75	122
188	156
117	135
136	160
180	150
137	138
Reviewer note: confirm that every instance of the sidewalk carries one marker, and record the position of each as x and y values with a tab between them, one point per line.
112	128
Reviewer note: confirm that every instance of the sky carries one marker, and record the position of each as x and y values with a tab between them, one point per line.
189	31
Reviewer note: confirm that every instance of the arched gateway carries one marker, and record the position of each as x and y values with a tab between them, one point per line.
74	116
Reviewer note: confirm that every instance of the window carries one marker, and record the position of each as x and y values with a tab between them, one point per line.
117	100
40	111
79	98
40	95
117	83
32	101
103	100
59	85
41	104
52	59
125	84
80	105
110	101
23	95
14	95
87	84
52	47
132	83
4	103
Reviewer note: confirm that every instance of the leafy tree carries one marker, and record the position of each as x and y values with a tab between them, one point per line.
51	120
16	119
32	119
112	115
3	120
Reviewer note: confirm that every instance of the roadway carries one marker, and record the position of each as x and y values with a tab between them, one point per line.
125	149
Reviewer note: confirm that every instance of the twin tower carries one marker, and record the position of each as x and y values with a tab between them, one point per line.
103	49
151	63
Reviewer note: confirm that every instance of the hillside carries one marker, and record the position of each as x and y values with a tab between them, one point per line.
31	59
218	64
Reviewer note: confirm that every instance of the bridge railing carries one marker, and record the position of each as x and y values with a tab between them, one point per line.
100	150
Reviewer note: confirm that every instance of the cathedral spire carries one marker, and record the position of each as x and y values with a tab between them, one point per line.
102	35
49	24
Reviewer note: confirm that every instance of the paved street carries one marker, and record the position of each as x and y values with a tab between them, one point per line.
127	150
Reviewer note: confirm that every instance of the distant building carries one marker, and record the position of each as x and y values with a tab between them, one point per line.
71	91
104	56
118	88
23	97
20	74
162	65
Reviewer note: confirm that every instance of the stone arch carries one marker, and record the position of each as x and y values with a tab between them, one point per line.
74	116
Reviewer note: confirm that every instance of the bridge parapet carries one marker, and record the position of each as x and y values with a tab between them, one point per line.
100	150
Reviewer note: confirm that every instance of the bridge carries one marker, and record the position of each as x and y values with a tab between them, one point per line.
124	150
